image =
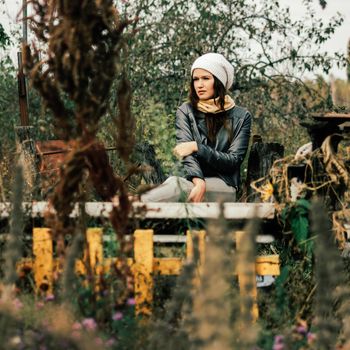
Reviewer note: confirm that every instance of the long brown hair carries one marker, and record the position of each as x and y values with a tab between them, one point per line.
213	121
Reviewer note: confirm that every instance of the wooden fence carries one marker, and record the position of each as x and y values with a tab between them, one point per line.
144	264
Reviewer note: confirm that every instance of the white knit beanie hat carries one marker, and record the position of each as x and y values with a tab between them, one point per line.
217	65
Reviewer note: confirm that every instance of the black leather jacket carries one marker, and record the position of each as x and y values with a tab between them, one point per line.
222	159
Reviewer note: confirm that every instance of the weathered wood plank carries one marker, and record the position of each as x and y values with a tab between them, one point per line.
143	268
43	260
95	247
167	266
158	210
264	265
246	279
264	239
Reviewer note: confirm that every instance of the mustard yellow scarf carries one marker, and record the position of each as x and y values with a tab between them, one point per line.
212	105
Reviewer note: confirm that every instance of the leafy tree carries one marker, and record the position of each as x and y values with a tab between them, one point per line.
348	63
9	107
268	49
4	38
323	3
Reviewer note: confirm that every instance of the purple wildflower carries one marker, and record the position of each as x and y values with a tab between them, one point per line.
117	316
301	330
310	337
131	301
278	339
278	343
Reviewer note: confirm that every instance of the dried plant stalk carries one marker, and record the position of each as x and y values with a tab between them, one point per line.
14	244
74	69
245	330
173	332
328	271
211	304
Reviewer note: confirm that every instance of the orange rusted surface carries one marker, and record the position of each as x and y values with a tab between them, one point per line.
52	162
51	155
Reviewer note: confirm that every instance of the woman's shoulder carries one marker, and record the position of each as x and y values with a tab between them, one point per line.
186	107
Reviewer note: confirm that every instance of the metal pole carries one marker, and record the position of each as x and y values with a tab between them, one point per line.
22	81
25	25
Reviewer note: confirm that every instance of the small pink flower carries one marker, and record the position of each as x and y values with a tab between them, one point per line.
17	304
278	339
76	326
98	341
76	334
39	305
117	316
50	297
110	342
301	330
278	343
311	337
131	301
89	324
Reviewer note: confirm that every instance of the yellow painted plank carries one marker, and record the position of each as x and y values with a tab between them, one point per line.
80	267
43	260
190	251
189	246
267	265
117	262
246	277
201	244
163	266
95	247
143	267
167	266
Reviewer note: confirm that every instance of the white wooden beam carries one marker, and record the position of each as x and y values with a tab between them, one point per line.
159	210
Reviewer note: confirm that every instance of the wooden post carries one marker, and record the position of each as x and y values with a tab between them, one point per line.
261	158
94	253
95	248
190	251
43	260
246	279
143	255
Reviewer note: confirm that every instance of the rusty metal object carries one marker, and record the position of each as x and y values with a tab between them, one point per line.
22	92
50	157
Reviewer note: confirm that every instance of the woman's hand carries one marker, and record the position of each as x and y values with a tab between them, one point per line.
198	191
185	149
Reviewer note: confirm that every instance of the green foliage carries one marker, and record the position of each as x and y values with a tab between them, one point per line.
158	128
9	112
4	38
297	216
348	63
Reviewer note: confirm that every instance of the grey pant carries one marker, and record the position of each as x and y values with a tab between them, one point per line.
177	189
